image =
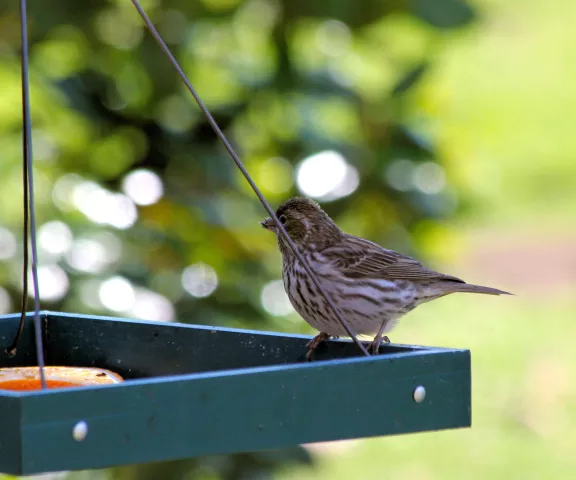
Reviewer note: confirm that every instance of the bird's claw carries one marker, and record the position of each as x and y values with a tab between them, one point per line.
313	344
374	346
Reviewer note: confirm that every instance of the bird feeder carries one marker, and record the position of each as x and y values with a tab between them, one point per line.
192	390
195	390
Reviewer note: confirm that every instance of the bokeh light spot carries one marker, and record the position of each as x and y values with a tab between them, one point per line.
125	215
399	174
274	299
334	38
118	27
150	305
63	191
44	145
275	175
104	207
87	255
5	301
52	283
55	238
117	294
89	292
429	178
8	245
199	280
175	114
143	187
326	176
173	26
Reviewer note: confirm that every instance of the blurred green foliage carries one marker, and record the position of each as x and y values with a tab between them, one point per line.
285	80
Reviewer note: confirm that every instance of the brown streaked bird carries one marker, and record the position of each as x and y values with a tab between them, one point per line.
372	286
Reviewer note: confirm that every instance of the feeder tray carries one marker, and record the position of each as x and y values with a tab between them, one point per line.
196	390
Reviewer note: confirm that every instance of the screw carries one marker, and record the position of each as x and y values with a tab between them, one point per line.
80	431
419	394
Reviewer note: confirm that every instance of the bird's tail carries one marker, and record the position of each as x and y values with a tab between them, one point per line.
467	288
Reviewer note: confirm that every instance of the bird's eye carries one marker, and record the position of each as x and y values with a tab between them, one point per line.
282	219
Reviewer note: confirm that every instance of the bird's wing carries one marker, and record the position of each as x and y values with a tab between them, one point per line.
356	257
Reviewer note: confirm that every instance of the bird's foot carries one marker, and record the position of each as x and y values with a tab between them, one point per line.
314	343
374	345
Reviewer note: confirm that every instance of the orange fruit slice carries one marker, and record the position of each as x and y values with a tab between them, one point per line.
28	378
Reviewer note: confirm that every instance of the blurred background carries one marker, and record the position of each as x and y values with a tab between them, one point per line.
443	129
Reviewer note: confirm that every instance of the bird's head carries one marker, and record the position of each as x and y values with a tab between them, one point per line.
305	222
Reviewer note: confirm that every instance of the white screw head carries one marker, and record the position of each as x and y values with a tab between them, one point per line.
419	394
80	431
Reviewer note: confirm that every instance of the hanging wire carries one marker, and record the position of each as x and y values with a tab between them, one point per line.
247	176
29	211
11	350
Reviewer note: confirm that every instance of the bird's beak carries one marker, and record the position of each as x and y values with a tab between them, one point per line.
268	224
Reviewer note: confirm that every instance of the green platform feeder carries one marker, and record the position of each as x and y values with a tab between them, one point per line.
195	390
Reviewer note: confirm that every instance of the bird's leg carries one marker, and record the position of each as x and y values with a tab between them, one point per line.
313	344
374	347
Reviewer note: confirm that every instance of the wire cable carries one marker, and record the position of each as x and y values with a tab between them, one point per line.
29	210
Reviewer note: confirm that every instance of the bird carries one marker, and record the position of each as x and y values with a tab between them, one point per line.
371	286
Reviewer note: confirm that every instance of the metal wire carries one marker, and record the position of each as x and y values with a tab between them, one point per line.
247	176
12	349
29	211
